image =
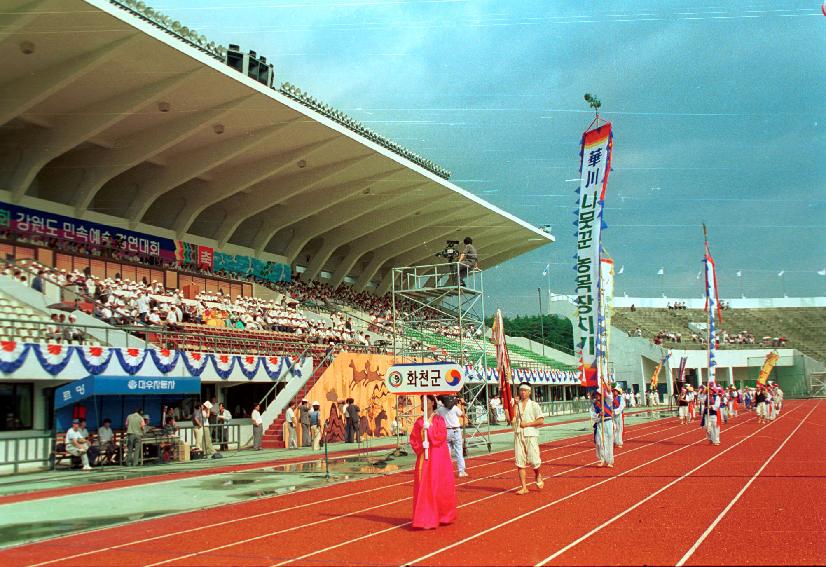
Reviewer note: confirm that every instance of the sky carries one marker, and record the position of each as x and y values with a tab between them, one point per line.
718	111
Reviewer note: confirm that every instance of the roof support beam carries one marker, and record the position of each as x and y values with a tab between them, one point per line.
231	182
365	224
20	95
303	205
446	226
43	145
192	164
103	164
377	237
270	194
341	215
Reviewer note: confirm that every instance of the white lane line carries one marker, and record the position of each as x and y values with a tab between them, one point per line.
722	514
646	499
472	502
557	501
296	507
334	518
646	427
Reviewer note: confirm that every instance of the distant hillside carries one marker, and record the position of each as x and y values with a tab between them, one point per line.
558	331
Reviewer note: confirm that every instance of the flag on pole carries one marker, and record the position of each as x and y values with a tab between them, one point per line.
822	272
594	168
715	313
546	270
739	273
621	270
681	375
655	377
780	273
661	272
771	360
503	365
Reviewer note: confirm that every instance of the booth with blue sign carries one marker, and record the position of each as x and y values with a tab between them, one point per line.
116	397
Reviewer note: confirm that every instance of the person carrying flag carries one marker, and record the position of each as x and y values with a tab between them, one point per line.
711	413
602	417
527	416
691	398
619	416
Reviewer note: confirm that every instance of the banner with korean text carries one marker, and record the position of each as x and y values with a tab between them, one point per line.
595	166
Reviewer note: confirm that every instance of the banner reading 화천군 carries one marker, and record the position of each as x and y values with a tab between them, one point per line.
595	165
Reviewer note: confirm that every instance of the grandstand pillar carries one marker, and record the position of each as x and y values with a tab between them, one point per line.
731	375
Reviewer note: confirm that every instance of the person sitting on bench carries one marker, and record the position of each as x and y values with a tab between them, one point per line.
76	445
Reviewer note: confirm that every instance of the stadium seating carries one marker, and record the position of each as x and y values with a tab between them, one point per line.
802	328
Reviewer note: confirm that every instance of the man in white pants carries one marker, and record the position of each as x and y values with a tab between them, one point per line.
712	416
452	414
77	445
602	418
527	417
619	412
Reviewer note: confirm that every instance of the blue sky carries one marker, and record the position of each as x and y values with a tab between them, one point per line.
719	112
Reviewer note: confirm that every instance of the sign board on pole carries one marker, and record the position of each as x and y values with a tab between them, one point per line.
424	378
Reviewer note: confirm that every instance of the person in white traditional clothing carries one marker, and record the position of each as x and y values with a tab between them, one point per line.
528	415
602	418
711	413
619	416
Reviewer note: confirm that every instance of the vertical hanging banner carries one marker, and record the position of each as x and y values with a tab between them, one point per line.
606	307
595	165
714	314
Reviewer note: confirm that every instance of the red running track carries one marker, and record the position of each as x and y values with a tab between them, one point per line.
669	486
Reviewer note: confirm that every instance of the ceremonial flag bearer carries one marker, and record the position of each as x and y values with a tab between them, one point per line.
602	416
527	417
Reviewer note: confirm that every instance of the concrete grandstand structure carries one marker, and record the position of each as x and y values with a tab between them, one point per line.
112	114
130	125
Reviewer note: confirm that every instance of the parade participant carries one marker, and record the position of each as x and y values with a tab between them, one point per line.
734	397
769	405
778	399
602	418
434	490
682	406
691	397
723	403
528	415
760	403
619	416
452	413
711	412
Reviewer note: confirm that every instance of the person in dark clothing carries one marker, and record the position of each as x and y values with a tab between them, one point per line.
304	420
352	429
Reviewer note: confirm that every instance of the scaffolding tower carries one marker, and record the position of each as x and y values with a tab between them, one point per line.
439	315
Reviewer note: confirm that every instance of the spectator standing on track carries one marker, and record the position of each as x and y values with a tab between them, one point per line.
434	490
304	418
452	414
352	429
691	398
289	421
224	417
619	416
257	427
602	416
528	416
135	425
315	426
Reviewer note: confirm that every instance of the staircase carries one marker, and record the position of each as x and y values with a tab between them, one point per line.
273	437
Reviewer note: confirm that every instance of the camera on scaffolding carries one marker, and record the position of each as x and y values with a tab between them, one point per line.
451	251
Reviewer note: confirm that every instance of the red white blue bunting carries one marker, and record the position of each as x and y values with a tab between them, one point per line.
54	358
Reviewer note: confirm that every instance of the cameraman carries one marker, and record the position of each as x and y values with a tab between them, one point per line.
468	259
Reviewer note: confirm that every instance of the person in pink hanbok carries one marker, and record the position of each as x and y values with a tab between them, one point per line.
434	490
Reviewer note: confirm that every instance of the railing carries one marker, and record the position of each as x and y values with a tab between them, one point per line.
229	434
35	448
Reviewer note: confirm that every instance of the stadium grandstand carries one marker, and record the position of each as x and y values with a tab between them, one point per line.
166	209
